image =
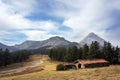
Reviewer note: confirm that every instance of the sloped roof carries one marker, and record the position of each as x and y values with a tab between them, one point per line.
92	61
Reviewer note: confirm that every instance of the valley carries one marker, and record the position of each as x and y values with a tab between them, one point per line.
49	73
59	40
57	50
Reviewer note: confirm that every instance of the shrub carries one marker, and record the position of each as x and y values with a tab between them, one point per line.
60	67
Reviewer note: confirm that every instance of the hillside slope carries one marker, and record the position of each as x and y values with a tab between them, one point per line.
52	42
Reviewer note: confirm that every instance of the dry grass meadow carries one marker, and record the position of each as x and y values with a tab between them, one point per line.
49	73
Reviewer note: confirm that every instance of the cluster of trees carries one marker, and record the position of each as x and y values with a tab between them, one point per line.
42	50
94	51
7	57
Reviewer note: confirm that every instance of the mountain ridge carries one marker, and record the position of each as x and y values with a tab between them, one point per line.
3	47
55	41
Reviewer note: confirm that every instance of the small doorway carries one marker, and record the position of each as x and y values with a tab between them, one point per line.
79	65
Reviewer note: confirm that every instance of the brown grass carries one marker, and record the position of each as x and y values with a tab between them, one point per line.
25	71
103	73
32	59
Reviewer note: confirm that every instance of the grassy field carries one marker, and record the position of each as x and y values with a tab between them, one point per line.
49	73
31	60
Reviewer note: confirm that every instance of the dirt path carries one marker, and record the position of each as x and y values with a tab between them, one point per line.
21	68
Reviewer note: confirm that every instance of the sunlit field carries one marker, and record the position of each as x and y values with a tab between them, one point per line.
49	73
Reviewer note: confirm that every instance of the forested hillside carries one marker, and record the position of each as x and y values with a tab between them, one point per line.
7	57
94	51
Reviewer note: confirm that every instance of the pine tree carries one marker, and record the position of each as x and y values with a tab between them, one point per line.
97	50
7	57
94	51
76	53
50	54
72	54
108	51
116	54
85	51
1	58
104	50
80	53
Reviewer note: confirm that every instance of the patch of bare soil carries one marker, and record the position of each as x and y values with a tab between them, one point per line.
25	71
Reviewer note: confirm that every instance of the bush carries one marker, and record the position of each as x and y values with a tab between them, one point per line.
60	67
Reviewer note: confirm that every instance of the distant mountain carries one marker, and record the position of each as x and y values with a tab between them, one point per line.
54	42
49	43
11	48
92	37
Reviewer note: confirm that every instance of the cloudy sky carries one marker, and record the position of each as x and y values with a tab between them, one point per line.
22	20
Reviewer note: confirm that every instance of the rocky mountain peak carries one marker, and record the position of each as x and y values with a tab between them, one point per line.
92	34
92	37
56	38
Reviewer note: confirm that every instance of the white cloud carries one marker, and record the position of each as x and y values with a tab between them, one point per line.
13	18
82	16
36	35
17	21
22	7
85	16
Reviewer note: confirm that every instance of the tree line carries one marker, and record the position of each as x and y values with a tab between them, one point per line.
7	57
93	51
